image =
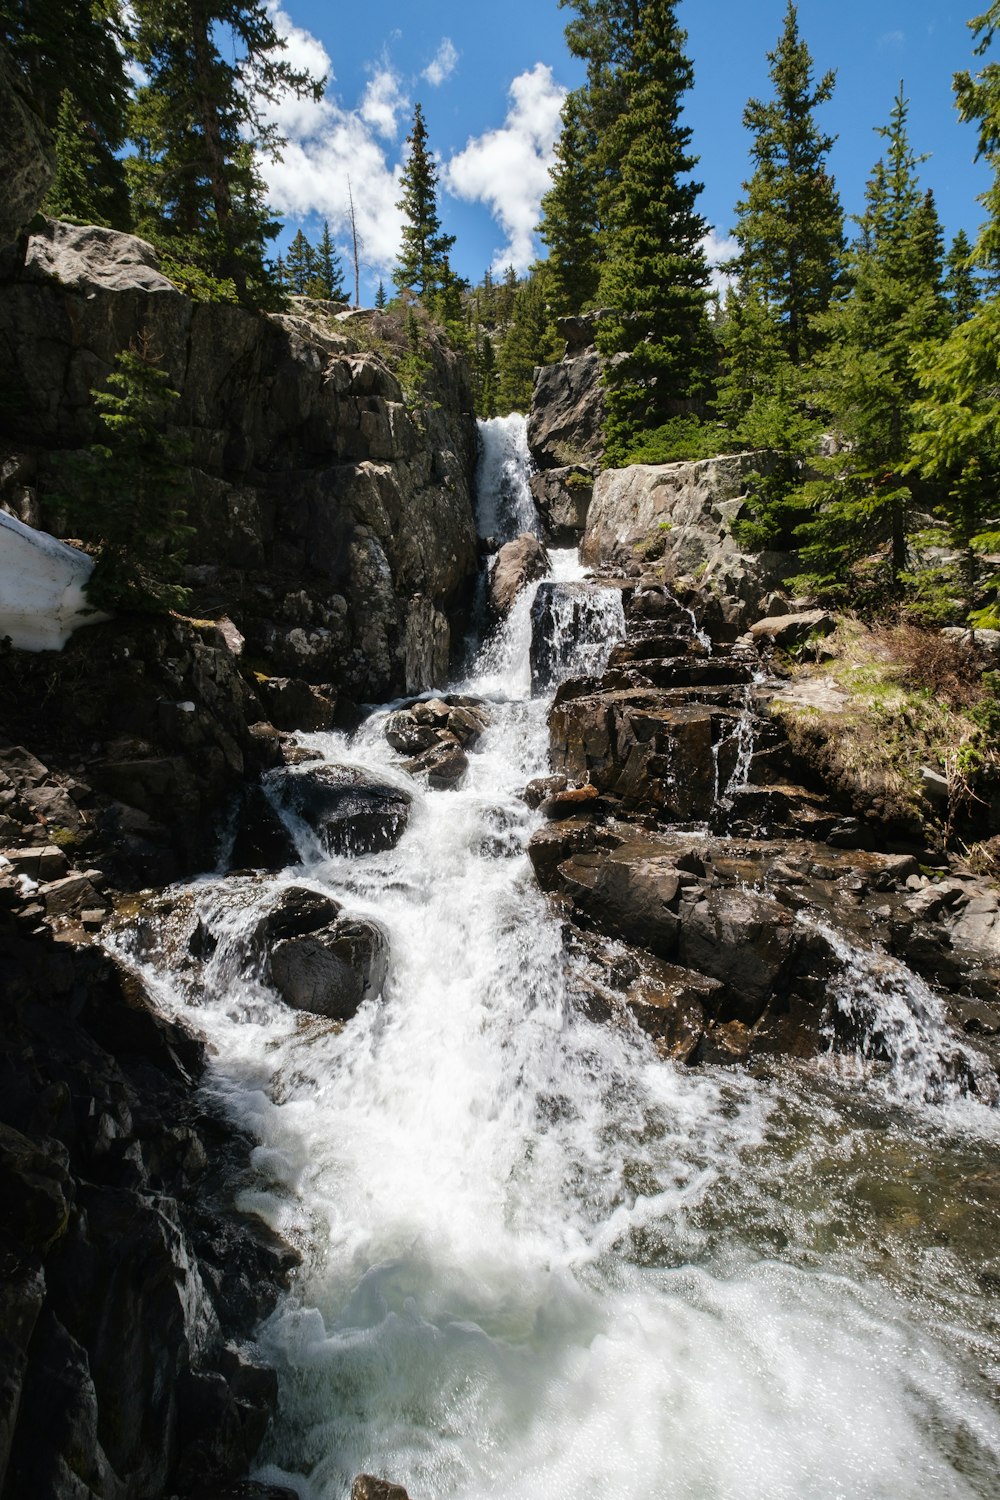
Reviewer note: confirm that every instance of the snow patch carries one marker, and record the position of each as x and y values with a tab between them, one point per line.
42	584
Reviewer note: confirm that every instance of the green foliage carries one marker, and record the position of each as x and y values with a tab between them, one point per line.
89	185
197	283
78	48
570	225
422	268
129	493
380	297
961	281
528	341
198	124
654	275
678	440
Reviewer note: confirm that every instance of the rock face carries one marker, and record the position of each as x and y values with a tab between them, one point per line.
333	519
566	424
517	564
681	516
562	498
42	582
27	156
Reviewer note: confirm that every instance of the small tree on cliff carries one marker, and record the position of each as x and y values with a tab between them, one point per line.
129	492
422	268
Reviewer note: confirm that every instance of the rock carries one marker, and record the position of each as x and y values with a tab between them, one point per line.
297	912
262	841
934	786
565	425
575	802
295	705
84	256
789	631
517	564
351	810
444	765
407	735
27	155
331	971
536	791
573	626
562	499
38	863
680	514
367	1487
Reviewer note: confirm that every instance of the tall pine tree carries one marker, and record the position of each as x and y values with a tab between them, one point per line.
654	277
422	268
570	225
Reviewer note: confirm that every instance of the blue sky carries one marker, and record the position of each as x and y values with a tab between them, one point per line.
491	82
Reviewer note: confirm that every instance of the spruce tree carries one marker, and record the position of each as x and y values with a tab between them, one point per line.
865	375
569	225
300	264
422	268
327	279
381	300
961	279
790	228
89	184
198	124
656	340
526	343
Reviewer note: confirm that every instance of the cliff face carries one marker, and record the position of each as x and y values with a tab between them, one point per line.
333	519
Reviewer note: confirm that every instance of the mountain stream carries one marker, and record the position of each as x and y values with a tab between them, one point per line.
539	1261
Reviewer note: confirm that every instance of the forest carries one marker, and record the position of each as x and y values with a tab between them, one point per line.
860	355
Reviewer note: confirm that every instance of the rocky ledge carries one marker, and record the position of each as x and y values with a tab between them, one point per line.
751	910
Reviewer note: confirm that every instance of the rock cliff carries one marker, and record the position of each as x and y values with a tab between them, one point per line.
332	515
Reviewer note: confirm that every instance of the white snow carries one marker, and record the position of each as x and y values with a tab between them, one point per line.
42	583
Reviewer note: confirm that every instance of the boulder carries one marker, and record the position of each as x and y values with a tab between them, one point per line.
788	631
566	423
562	499
295	705
84	256
262	840
351	810
517	564
444	764
330	971
367	1487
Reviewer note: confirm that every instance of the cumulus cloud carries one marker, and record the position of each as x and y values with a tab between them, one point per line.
330	146
507	169
717	249
442	64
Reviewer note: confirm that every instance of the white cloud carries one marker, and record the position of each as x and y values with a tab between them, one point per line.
442	64
892	39
382	102
718	248
508	169
329	146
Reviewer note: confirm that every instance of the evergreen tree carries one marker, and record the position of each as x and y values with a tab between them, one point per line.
422	268
961	281
486	378
89	183
569	224
129	493
654	277
381	300
300	265
526	344
198	124
790	229
865	375
327	278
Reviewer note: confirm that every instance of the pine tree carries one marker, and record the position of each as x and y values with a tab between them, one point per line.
89	183
327	278
129	493
526	344
423	255
961	281
381	300
865	375
656	340
790	229
570	226
198	125
300	264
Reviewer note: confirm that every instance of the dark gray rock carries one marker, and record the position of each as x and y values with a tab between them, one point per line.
333	970
517	564
566	422
27	155
351	810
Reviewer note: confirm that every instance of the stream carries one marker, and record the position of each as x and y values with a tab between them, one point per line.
538	1260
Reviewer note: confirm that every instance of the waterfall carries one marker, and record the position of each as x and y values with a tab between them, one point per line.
539	1260
505	507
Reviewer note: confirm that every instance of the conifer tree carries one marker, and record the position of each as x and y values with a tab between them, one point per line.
327	279
381	300
655	275
526	344
570	226
198	124
961	280
300	264
89	183
422	268
865	375
790	228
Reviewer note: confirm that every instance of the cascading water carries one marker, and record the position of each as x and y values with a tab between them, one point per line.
540	1261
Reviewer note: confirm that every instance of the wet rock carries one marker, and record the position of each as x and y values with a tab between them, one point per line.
295	705
351	810
576	802
297	912
444	764
562	499
333	970
536	791
407	735
367	1487
570	621
517	564
262	840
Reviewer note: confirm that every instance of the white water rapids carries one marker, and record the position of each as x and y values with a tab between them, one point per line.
539	1261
